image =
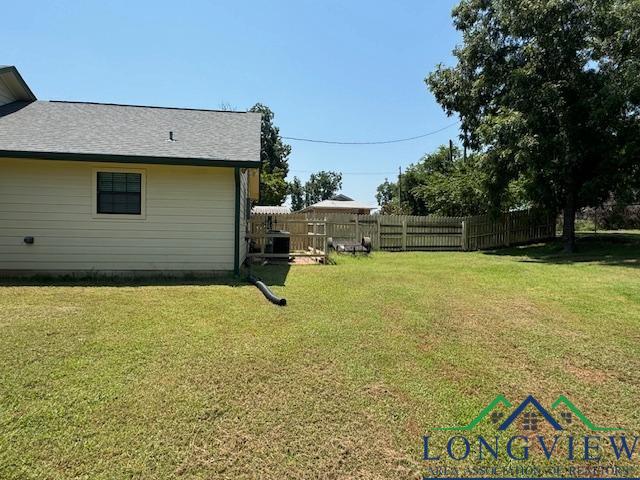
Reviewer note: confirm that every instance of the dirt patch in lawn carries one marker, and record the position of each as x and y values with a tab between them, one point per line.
589	375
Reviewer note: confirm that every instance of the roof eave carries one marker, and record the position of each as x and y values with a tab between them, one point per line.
150	160
26	94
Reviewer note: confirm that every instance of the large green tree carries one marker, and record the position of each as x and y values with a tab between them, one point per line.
274	155
454	189
387	196
548	91
322	186
424	172
443	182
296	190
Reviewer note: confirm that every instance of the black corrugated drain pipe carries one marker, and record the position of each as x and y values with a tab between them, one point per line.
266	292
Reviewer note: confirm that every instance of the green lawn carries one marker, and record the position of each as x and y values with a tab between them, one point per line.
212	381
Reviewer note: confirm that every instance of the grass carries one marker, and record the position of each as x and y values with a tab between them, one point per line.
212	381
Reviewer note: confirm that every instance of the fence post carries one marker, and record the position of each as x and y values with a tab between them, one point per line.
315	233
325	244
357	229
404	233
507	235
379	234
465	236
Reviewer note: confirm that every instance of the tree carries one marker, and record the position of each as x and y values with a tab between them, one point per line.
322	186
548	91
274	157
387	195
297	194
273	188
420	174
454	189
387	198
443	183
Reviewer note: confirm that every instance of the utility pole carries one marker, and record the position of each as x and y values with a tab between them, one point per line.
400	187
451	150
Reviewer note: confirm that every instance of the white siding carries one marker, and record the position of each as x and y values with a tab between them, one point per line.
189	222
244	182
6	96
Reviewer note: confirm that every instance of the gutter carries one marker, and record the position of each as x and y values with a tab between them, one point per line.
149	160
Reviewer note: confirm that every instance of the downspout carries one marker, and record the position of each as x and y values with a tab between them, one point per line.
236	245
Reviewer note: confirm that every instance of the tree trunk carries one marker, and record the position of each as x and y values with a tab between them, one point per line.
569	223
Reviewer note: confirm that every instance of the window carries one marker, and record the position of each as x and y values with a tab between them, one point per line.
119	193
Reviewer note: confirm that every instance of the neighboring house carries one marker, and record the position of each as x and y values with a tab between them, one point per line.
338	204
89	187
270	210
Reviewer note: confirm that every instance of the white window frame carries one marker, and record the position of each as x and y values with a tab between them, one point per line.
118	216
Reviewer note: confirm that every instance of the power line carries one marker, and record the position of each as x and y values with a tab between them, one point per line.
381	142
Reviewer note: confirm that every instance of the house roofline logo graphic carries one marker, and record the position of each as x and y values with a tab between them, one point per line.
530	400
542	412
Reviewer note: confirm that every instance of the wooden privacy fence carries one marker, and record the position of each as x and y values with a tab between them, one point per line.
409	232
513	228
397	232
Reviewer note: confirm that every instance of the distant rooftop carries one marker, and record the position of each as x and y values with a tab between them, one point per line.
341	198
339	204
269	209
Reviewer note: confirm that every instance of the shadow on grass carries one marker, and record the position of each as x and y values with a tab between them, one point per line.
272	274
119	281
606	248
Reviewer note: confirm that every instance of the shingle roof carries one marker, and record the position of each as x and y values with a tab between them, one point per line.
76	128
346	204
270	209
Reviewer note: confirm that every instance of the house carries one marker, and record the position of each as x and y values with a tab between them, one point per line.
338	204
90	187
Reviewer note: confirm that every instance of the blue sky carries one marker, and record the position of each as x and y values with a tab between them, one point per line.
330	70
